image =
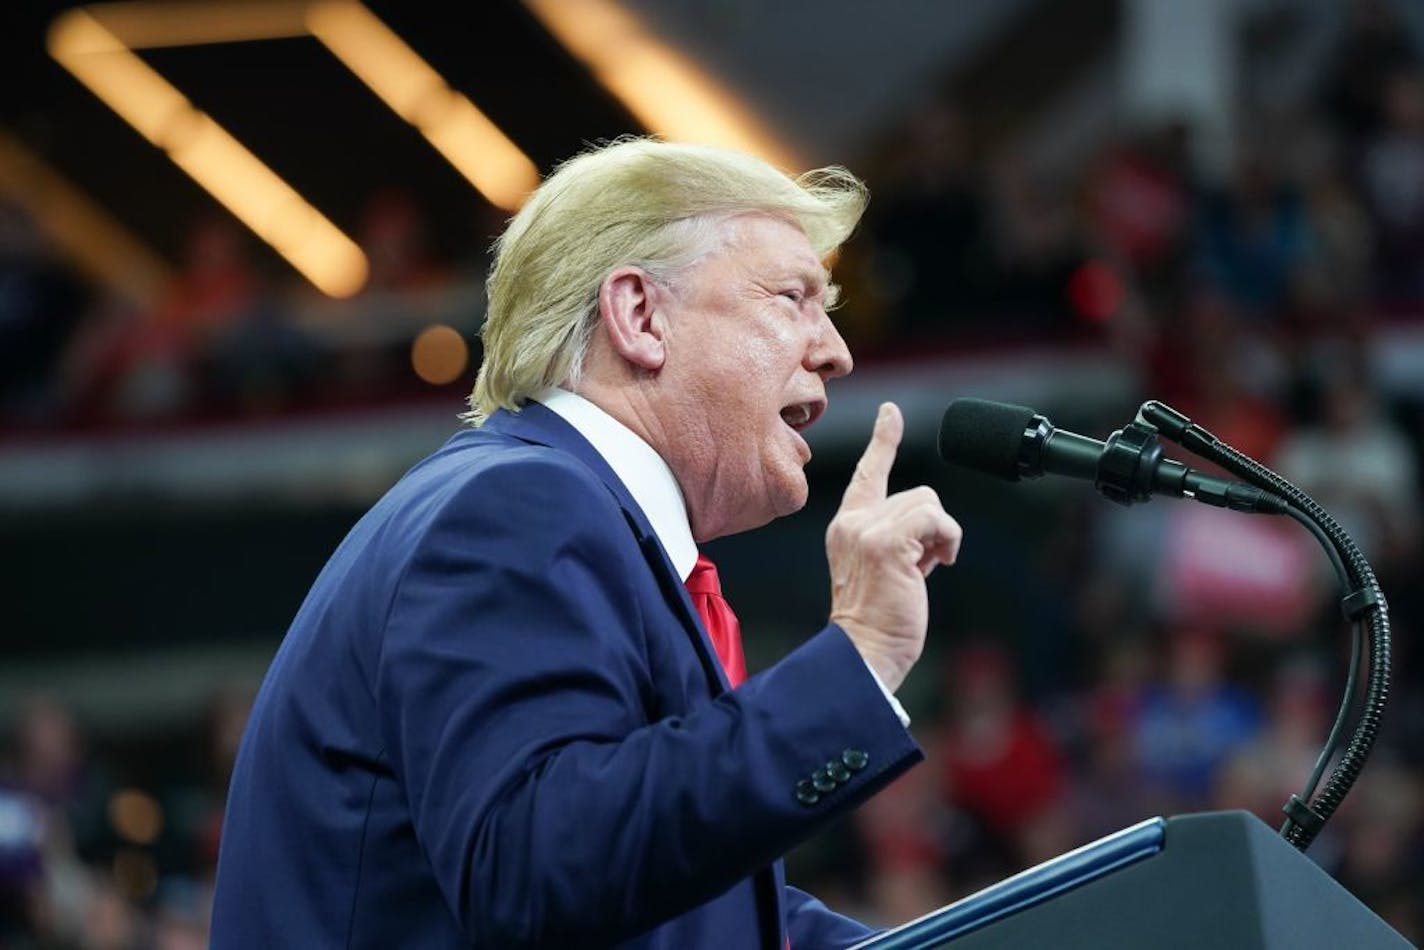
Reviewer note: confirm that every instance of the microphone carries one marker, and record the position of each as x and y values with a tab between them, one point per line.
1013	442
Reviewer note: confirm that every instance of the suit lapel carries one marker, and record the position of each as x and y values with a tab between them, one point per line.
542	426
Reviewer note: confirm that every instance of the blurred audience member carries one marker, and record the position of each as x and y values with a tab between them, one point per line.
217	285
927	246
908	840
1393	175
1374	45
131	365
235	343
1254	237
41	304
1209	365
118	367
1341	264
1001	764
181	922
1192	722
53	765
49	754
217	341
1359	466
1139	204
1382	860
1265	772
1107	790
397	245
57	802
21	865
1038	246
110	922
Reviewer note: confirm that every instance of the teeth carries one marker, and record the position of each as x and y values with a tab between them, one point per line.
796	415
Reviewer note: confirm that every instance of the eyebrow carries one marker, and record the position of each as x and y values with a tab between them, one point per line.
819	280
817	277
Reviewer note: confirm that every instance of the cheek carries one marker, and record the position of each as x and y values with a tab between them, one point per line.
750	386
743	383
768	363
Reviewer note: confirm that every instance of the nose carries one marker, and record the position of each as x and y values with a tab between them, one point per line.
828	356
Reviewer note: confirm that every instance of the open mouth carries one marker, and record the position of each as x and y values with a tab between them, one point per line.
802	415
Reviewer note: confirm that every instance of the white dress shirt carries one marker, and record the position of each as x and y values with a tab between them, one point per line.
651	483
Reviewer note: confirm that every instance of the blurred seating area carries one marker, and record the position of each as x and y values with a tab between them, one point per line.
1178	658
1250	284
1088	670
228	339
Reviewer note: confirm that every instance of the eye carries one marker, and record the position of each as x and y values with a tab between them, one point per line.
794	295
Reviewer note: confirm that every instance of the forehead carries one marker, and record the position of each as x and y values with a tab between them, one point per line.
771	247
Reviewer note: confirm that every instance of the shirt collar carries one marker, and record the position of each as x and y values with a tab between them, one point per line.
640	468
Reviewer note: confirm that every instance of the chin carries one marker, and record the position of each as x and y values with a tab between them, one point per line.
792	495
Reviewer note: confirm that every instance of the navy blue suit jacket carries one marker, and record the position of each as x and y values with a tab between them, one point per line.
496	721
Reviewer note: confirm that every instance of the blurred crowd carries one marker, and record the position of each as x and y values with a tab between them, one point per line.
1205	655
102	850
229	336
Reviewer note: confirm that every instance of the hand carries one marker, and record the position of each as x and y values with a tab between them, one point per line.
880	551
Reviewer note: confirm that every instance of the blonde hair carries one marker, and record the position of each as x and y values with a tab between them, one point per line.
636	202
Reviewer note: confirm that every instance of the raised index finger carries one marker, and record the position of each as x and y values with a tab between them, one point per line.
871	479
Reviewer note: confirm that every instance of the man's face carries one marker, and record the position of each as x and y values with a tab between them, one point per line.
750	349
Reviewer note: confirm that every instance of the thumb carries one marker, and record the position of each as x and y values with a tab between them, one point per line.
871	479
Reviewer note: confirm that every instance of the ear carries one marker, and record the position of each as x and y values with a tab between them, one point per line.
627	307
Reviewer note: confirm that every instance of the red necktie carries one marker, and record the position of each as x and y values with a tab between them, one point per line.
717	617
726	633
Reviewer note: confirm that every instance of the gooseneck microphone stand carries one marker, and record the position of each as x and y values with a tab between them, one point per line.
1362	603
1212	879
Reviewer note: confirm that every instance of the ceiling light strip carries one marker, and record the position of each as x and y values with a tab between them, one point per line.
664	89
99	245
457	129
144	25
208	153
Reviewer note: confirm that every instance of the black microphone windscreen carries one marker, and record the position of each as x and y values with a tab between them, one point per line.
984	435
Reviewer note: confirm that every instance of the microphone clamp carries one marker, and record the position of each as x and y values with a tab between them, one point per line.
1132	467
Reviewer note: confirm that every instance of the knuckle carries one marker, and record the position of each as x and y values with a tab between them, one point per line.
876	536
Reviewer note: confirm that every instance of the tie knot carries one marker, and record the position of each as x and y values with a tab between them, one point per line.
703	579
718	620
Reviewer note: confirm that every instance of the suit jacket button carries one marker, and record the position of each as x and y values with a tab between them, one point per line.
837	770
854	759
821	779
806	792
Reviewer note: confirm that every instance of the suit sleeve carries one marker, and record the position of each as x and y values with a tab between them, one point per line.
814	926
516	693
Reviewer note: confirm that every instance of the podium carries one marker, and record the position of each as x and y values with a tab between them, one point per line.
1217	879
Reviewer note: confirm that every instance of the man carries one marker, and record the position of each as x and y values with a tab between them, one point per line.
499	720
